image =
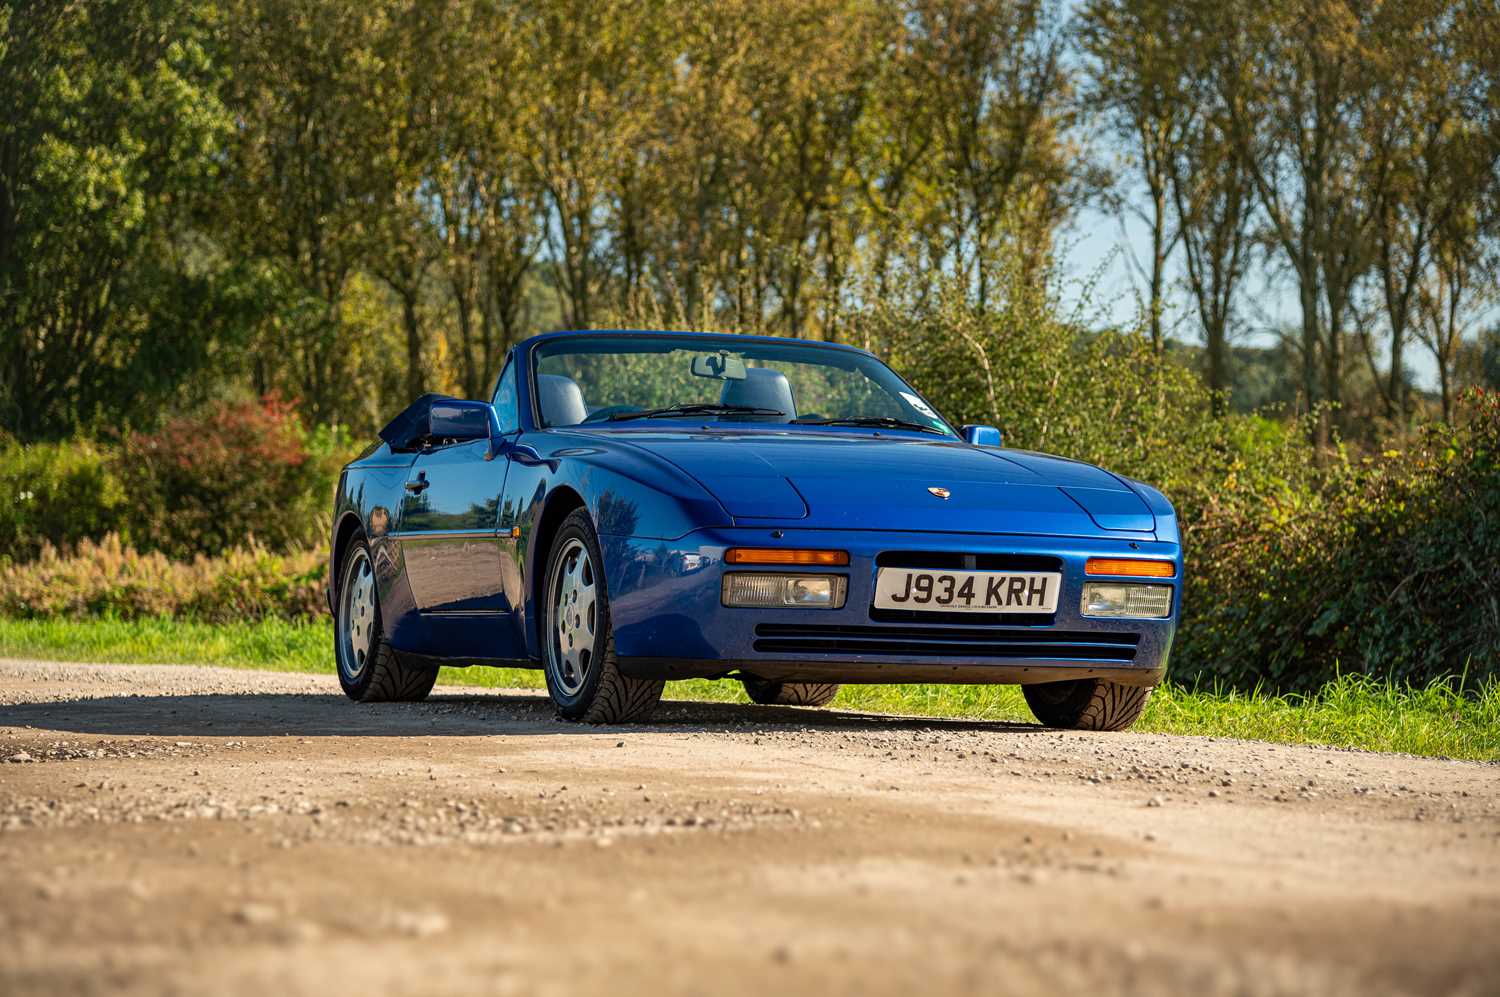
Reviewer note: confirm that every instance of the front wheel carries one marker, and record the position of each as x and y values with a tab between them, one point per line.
1086	704
769	693
583	678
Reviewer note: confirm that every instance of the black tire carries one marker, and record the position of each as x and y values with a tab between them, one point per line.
592	688
1086	704
377	674
768	693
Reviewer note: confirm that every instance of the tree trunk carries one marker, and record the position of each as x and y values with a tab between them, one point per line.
466	341
1333	365
981	264
1218	366
414	373
1158	260
1308	292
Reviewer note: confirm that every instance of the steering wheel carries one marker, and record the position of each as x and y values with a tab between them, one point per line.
599	415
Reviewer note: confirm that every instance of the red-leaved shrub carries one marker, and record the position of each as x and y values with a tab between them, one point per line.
235	473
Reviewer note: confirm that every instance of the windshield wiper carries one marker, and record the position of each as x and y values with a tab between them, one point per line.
880	421
702	408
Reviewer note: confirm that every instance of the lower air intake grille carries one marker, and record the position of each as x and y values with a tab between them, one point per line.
965	643
940	559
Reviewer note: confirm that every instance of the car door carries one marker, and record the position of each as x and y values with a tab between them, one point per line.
460	568
449	516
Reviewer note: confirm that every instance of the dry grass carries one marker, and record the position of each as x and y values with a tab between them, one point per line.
108	579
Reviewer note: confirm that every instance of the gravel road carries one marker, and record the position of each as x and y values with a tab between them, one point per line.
182	829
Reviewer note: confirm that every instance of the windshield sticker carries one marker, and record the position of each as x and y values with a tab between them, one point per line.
919	405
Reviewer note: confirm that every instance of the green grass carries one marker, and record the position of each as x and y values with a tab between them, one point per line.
1352	711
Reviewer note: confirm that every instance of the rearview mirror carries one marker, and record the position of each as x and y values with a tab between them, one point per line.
982	436
451	419
723	365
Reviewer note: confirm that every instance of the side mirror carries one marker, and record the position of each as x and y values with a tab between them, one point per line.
451	419
982	436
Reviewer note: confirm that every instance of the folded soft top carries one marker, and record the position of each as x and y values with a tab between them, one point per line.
403	432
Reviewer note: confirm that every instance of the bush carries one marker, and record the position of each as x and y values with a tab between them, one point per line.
56	493
1389	566
236	473
1104	398
233	474
110	579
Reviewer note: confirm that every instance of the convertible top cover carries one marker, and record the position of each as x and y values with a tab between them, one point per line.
403	432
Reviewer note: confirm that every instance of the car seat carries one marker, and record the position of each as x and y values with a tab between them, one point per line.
560	399
761	387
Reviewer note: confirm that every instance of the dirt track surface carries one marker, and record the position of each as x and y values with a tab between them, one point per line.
172	829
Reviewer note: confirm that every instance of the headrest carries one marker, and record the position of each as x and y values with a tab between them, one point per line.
762	387
560	400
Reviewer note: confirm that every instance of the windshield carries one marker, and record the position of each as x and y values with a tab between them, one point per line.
621	379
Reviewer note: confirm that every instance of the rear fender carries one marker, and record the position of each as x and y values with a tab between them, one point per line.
367	501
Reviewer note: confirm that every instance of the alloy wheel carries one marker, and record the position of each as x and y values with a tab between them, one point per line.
574	623
356	616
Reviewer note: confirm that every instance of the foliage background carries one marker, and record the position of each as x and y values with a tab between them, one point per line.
347	202
236	235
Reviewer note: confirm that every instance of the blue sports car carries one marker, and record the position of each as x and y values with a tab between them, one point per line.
632	507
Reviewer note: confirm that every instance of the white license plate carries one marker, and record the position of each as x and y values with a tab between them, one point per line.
967	591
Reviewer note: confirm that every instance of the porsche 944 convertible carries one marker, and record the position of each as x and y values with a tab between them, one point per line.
634	507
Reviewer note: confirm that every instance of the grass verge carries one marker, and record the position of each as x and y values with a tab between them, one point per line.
1352	711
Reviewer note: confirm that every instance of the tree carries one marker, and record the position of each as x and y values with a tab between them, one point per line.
994	83
405	107
1443	150
894	145
583	116
1487	366
1135	55
488	208
1303	121
811	89
1463	285
688	230
108	119
301	187
1212	192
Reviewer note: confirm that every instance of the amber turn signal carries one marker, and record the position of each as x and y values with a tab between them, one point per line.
1129	567
774	555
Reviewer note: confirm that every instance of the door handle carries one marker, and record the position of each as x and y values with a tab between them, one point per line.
523	453
419	485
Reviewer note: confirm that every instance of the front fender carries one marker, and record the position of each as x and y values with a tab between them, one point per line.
1161	507
628	491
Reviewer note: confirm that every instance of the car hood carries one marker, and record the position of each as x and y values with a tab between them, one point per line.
864	482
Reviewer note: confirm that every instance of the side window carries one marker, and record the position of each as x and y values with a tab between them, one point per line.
505	402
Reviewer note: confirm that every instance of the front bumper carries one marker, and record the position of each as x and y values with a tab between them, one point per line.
668	621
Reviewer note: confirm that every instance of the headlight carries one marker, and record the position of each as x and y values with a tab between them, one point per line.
1152	602
810	591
